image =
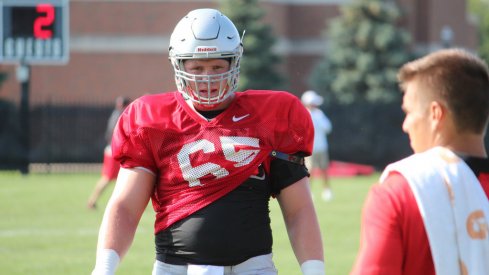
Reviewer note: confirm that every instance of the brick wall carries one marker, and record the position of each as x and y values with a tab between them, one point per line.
120	47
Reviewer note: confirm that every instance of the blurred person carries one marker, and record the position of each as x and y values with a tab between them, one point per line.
110	166
429	214
319	160
210	158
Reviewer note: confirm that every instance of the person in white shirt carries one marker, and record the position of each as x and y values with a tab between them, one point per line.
319	160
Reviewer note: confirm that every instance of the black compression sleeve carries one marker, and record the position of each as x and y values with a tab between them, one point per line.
284	173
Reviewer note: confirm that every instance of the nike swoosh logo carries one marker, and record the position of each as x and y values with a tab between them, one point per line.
258	178
236	119
261	174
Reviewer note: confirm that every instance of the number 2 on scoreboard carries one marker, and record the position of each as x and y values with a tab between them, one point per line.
46	19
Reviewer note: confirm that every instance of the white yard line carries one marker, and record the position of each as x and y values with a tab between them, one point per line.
39	232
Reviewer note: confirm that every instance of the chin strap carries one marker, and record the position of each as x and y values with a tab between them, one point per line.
292	158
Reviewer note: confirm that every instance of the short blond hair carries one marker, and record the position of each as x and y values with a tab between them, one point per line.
458	78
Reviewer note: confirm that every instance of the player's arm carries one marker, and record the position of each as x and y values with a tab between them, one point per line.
381	249
302	226
121	218
295	196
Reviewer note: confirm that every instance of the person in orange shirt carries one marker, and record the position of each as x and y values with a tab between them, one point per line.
429	213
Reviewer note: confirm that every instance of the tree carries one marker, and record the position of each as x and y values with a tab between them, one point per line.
480	8
259	65
366	48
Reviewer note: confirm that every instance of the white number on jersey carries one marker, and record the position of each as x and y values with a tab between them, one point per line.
233	151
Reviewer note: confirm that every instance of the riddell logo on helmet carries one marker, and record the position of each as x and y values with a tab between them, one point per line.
206	49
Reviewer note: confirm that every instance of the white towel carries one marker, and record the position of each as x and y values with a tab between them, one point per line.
454	208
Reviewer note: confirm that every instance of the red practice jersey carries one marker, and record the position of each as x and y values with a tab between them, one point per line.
393	238
197	161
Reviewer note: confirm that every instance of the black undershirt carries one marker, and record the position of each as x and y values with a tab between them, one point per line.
210	114
478	165
234	228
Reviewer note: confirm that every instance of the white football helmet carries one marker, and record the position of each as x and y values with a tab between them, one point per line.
203	34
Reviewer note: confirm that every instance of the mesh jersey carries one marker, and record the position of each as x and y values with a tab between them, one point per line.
198	161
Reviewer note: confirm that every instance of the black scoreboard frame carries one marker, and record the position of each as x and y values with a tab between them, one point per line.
34	32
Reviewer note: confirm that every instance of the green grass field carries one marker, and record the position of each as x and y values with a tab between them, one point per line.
45	227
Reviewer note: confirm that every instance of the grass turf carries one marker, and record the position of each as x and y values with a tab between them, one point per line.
45	227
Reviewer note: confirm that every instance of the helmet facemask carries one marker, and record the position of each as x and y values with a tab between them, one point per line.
188	84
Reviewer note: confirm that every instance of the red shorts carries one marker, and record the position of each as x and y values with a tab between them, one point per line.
110	167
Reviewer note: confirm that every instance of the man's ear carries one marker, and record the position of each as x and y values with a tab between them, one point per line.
438	113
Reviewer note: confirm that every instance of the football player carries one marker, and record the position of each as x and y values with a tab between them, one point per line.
430	213
210	158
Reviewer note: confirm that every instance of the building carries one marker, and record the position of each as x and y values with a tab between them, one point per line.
120	47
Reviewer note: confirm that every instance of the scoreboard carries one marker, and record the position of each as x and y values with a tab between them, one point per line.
34	31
